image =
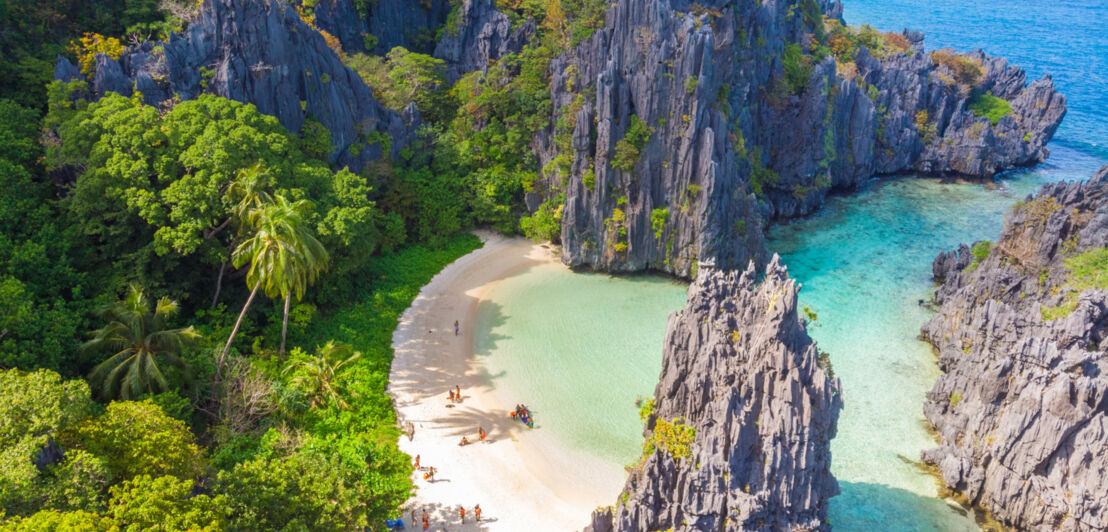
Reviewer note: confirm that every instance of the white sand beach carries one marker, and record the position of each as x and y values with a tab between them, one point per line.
523	479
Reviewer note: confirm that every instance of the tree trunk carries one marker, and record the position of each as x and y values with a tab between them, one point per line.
226	348
219	283
285	323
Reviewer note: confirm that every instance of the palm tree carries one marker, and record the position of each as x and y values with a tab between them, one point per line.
139	338
283	254
320	375
249	192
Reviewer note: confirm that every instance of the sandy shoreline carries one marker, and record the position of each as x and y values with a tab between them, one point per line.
518	476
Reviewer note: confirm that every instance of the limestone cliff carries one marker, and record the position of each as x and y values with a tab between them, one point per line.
258	52
1022	406
732	143
743	417
412	24
479	35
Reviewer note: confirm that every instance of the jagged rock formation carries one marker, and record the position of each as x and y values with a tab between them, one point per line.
1022	409
481	34
258	52
730	145
740	370
413	24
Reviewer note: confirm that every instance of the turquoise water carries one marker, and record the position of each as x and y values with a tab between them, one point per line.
865	263
578	350
865	259
579	347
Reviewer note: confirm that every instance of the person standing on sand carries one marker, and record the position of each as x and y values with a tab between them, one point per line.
458	393
451	396
481	432
463	509
477	512
455	327
417	462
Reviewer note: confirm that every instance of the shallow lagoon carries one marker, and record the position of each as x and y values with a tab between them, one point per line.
581	348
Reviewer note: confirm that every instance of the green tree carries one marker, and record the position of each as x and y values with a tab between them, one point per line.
165	504
137	333
34	407
320	375
301	492
283	254
156	193
77	521
138	438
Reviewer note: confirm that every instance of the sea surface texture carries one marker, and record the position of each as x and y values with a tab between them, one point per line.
581	348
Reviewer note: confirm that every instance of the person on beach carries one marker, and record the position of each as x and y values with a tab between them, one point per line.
452	396
458	392
481	432
464	442
413	516
463	509
417	462
426	523
477	512
455	327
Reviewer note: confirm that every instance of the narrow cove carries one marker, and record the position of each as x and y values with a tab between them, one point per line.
580	348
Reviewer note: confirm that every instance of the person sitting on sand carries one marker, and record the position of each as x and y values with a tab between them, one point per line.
464	442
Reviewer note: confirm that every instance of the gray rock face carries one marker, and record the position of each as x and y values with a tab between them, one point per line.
480	35
259	52
341	19
412	24
708	79
1022	408
739	369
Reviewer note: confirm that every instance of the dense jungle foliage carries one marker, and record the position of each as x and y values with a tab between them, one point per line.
196	309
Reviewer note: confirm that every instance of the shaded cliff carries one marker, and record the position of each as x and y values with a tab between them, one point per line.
679	127
1022	406
413	24
480	34
739	435
258	52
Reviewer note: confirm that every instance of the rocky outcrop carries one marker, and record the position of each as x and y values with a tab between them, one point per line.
259	52
480	34
1022	406
731	144
743	417
412	24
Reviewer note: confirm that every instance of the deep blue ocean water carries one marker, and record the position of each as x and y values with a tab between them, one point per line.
865	259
